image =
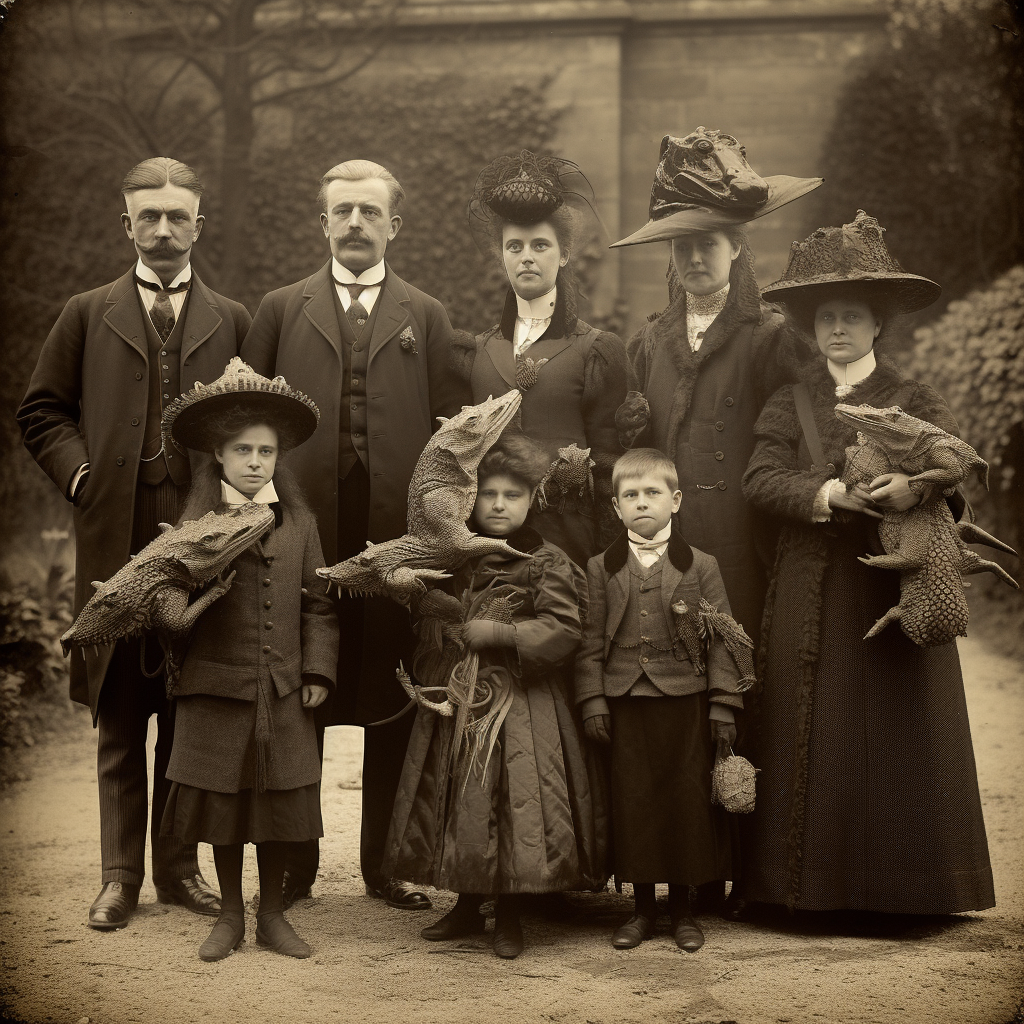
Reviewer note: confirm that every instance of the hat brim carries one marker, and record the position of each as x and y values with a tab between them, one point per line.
906	293
782	189
292	418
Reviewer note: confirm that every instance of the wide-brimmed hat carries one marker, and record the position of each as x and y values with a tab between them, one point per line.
853	254
191	420
704	183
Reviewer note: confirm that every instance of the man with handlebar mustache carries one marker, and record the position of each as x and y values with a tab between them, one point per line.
91	419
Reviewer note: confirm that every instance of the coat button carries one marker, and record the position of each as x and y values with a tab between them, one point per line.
643	612
268	624
266	649
719	456
830	467
360	322
267	604
644	659
163	354
135	423
719	425
166	395
729	403
266	582
722	485
138	376
120	460
354	407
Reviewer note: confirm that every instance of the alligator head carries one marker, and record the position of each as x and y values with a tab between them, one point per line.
379	571
469	434
186	557
911	443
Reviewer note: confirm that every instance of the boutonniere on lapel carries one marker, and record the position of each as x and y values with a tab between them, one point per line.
526	372
408	341
688	633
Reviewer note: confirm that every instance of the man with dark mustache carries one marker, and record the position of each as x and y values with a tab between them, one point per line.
372	352
91	419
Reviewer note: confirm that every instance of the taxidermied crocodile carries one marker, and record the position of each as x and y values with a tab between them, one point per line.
442	494
698	628
151	591
570	472
924	544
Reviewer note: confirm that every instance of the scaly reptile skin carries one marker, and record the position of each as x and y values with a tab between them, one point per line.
570	472
151	591
923	544
442	494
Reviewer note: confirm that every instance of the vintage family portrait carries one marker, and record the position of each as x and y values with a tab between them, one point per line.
512	511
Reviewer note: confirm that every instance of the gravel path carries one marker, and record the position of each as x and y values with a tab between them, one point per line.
369	963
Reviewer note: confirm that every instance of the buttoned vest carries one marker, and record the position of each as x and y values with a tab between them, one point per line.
164	388
355	356
642	645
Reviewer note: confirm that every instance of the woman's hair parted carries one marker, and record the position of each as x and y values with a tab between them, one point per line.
644	462
517	456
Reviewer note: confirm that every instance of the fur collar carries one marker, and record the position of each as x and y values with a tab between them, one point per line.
679	552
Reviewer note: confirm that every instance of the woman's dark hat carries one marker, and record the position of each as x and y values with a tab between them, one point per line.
189	421
854	253
527	188
704	183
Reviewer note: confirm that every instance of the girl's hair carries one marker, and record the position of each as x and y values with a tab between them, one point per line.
249	411
517	456
642	462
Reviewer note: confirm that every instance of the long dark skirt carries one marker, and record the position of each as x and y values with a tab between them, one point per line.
664	826
222	819
891	816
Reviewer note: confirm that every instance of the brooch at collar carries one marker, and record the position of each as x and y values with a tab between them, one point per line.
408	341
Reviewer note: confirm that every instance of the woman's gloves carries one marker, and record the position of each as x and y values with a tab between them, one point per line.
631	418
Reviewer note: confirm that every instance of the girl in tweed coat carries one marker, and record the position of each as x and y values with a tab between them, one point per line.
245	766
867	794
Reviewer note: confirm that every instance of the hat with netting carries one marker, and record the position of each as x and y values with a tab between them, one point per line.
527	188
854	254
195	419
704	183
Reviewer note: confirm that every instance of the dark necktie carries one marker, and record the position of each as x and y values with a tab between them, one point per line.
357	312
162	312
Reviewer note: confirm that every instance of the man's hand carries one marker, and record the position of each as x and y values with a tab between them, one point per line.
892	491
598	728
856	499
313	695
723	733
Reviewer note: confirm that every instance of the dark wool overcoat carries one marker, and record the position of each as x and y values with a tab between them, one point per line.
86	402
254	645
536	819
296	334
867	797
578	389
703	408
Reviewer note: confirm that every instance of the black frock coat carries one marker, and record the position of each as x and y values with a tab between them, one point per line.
867	793
86	402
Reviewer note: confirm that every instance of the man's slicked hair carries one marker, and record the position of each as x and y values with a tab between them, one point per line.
360	170
158	171
643	462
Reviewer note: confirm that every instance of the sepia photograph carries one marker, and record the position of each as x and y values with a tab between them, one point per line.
511	510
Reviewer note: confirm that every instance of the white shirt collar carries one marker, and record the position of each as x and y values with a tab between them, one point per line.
852	373
540	308
373	276
661	537
148	274
264	496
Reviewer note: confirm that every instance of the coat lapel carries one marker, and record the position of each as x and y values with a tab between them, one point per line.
124	313
201	318
393	314
319	308
670	579
618	598
499	351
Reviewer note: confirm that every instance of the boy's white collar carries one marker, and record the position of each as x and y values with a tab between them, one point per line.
233	497
661	537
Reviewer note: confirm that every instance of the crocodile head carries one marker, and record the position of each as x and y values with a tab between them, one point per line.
909	442
186	557
379	572
469	434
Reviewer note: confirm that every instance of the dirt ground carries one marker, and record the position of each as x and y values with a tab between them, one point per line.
369	963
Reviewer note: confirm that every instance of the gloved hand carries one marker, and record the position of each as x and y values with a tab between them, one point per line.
598	728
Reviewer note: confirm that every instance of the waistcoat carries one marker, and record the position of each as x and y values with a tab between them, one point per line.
164	388
355	356
642	647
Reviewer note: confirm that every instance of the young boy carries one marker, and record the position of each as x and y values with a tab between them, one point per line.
640	693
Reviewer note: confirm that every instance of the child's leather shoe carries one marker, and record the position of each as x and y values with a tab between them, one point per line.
633	932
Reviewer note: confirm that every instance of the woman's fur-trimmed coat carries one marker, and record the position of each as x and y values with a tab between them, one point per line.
703	407
867	794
